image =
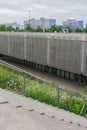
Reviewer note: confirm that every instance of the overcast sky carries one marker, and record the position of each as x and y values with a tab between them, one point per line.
17	10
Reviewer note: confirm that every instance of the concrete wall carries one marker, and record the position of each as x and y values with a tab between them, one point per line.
16	46
36	50
65	55
84	61
4	44
67	52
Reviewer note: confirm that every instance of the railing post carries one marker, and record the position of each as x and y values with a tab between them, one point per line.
58	98
84	108
24	84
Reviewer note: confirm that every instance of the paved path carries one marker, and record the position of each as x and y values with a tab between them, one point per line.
21	113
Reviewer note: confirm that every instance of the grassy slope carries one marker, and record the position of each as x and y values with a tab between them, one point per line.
14	81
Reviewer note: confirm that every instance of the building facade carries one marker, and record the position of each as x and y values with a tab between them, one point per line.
73	24
80	25
42	22
14	25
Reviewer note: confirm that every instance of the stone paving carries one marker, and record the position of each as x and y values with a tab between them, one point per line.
20	113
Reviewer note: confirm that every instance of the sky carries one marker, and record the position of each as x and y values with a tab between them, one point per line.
61	10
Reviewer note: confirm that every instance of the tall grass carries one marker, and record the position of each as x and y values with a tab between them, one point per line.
38	90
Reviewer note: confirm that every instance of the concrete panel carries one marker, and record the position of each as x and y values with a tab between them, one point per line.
4	44
29	49
36	50
65	55
16	45
85	60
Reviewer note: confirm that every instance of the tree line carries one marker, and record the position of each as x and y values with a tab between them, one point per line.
52	29
9	28
55	28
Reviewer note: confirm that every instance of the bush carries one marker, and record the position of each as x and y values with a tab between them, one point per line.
11	83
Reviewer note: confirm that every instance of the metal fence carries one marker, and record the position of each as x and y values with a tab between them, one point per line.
56	96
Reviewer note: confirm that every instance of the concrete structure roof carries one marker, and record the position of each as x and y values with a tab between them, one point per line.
20	113
63	36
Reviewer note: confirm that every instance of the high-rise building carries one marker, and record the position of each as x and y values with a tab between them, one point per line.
73	24
42	22
80	25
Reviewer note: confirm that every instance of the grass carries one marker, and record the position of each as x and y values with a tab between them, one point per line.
38	90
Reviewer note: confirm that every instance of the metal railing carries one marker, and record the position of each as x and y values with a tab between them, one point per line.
59	100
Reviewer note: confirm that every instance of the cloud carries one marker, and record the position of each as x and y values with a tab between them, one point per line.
17	10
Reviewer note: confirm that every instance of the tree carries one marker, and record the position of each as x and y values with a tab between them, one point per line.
17	29
39	29
69	29
2	28
59	29
28	28
85	30
9	28
53	28
77	30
